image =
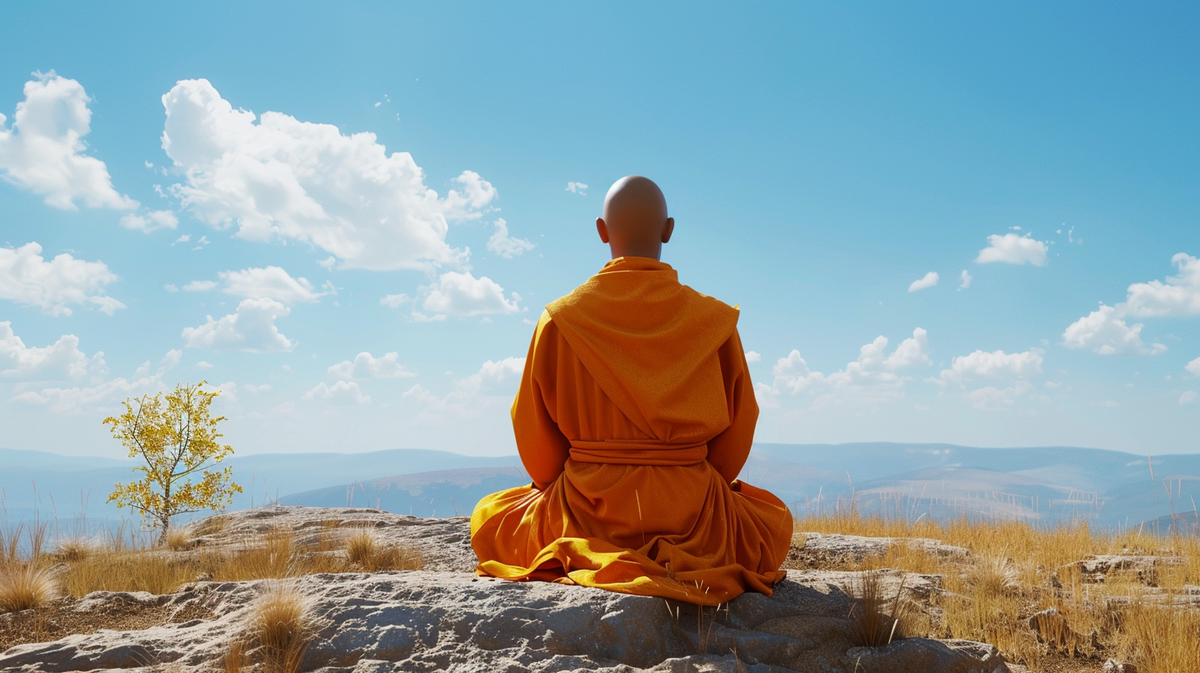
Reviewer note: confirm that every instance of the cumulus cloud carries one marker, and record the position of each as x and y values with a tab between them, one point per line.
105	395
366	366
61	360
577	188
152	221
342	391
1193	367
199	286
495	382
966	280
928	280
281	178
1010	373
992	365
27	278
463	295
395	300
1104	331
43	150
504	245
870	379
753	356
1178	296
1188	397
271	282
251	328
1013	249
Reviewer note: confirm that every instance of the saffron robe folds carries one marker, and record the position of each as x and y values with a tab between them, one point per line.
634	417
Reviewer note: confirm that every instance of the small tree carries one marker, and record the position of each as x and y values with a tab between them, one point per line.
176	443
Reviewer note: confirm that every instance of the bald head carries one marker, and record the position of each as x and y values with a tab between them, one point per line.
635	221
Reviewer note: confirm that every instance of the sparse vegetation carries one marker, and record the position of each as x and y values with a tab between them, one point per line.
876	619
1015	571
282	629
26	581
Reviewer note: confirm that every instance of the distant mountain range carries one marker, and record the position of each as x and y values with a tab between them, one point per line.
1110	489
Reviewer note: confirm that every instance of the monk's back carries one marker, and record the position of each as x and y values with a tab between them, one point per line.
634	416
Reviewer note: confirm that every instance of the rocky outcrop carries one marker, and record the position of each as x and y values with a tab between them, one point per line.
445	619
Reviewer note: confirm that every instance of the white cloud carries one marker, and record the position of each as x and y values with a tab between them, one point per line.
152	221
43	151
1193	367
993	397
182	239
504	245
1013	249
753	356
287	179
342	391
366	366
1188	397
1179	296
461	294
200	286
395	300
966	280
494	383
871	379
105	395
61	360
992	365
27	278
1104	331
1013	369
204	365
251	328
577	188
928	280
271	282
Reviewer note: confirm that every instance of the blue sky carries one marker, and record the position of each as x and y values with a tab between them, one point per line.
349	216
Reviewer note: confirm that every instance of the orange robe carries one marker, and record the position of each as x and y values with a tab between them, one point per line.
634	417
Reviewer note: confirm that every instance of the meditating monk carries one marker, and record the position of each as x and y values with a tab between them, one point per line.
634	417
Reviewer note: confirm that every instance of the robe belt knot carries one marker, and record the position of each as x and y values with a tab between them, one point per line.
637	452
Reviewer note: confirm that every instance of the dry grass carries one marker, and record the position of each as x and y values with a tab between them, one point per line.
74	549
1015	571
875	619
178	539
26	581
281	628
363	549
25	586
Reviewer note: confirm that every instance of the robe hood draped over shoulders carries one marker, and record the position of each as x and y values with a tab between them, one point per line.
649	342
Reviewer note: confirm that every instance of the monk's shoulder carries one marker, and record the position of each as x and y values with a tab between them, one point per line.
707	304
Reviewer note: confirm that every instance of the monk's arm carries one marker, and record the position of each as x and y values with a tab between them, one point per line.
543	448
727	452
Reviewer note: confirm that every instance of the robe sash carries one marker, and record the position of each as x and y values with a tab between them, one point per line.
637	452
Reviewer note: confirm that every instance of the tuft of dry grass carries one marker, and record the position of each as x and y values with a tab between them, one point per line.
237	658
25	582
281	628
178	539
74	549
993	576
363	549
274	558
876	620
26	585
